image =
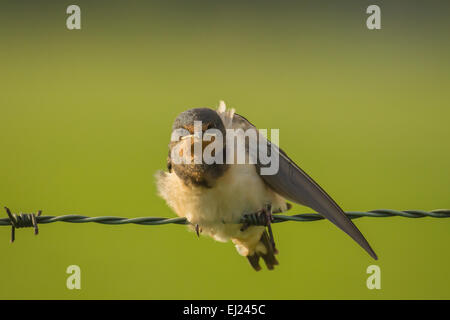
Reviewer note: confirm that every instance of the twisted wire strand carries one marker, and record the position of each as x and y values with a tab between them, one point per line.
380	213
305	217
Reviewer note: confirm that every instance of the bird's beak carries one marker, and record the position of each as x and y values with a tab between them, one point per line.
188	142
194	137
197	137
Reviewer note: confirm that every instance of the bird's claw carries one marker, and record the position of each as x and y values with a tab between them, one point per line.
262	217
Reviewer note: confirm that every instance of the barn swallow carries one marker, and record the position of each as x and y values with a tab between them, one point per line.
217	197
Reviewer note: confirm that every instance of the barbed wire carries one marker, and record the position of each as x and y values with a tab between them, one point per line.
24	220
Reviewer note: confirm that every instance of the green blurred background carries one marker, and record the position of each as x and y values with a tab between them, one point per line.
86	116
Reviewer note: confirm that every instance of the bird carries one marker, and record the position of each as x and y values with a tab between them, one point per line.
232	201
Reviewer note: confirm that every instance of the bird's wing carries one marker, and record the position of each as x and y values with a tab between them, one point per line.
294	184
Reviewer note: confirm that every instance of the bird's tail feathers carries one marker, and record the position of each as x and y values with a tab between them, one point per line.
268	256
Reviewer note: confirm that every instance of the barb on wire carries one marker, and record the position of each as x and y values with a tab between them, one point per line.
23	220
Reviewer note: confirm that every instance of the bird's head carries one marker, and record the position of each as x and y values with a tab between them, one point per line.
197	147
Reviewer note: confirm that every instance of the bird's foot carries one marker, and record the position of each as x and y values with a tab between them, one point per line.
262	217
